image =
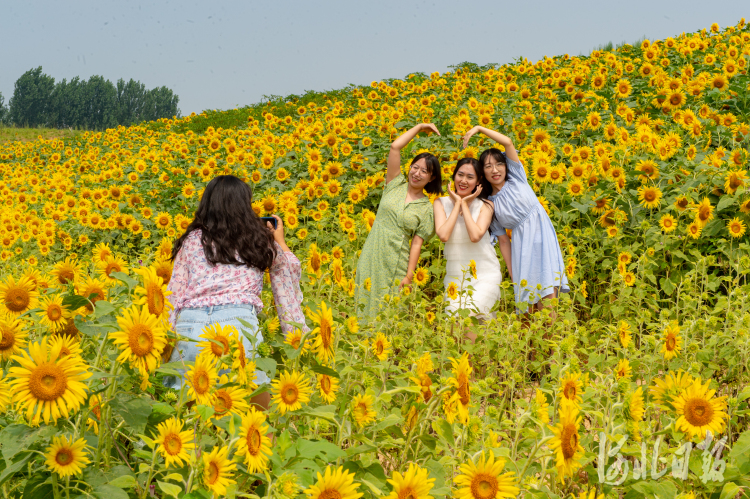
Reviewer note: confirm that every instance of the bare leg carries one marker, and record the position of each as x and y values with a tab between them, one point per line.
263	400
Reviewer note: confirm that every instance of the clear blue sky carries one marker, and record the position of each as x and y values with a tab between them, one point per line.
223	54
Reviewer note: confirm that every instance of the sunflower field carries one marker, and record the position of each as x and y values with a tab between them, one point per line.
633	385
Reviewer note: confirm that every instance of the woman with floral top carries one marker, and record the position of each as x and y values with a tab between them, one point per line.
219	264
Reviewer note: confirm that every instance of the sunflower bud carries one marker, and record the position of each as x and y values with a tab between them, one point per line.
265	350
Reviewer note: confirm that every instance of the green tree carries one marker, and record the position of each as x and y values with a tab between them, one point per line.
131	98
31	104
3	109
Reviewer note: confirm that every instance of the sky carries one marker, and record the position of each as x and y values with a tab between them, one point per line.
227	54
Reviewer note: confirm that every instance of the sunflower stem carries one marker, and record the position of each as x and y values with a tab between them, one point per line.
150	474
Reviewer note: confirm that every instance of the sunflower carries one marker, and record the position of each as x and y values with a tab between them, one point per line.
541	406
217	470
201	378
704	212
571	387
576	188
699	410
253	442
230	400
667	223
566	442
335	483
53	315
13	339
290	391
694	230
452	290
174	443
736	227
672	341
362	409
623	369
421	276
294	340
67	271
324	338
624	258
734	180
153	293
141	339
381	347
66	345
649	196
18	297
414	484
667	390
623	333
628	278
328	386
65	457
46	386
92	289
112	265
218	340
485	479
460	381
5	395
633	408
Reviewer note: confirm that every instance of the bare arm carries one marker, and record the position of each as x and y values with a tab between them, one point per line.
503	140
416	248
504	242
394	155
444	225
478	229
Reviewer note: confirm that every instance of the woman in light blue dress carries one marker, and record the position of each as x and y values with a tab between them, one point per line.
533	258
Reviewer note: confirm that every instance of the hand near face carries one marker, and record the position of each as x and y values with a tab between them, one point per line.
474	194
429	127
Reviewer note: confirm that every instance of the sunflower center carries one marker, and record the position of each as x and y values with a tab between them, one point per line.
649	196
570	391
65	276
484	486
569	440
253	441
155	299
330	494
64	457
112	267
222	403
48	382
325	334
141	340
671	342
172	444
325	384
290	394
17	299
222	349
54	312
379	348
407	493
201	382
212	474
8	339
463	389
699	412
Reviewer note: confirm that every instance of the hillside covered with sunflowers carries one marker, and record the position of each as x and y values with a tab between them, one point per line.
639	154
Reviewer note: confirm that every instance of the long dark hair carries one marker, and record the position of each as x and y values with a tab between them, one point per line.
434	186
479	171
498	156
231	232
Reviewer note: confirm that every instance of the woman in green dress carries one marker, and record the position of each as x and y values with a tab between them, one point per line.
388	259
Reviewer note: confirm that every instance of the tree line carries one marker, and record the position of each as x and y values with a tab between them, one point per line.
93	104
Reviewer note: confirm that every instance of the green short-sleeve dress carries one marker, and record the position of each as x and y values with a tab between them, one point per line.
385	256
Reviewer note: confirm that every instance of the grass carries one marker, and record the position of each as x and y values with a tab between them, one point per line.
9	134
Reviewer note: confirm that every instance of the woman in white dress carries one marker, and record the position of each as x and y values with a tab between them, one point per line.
461	222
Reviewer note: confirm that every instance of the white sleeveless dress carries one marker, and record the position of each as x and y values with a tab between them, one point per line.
459	251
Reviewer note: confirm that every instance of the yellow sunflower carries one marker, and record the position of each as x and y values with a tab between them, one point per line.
452	290
571	387
623	333
174	443
381	347
700	411
45	386
566	442
201	378
335	483
672	341
421	276
230	400
112	265
694	230
665	391
65	457
13	339
18	297
667	223
460	381
485	479
328	386
414	484
290	391
153	293
362	409
736	227
53	315
218	340
649	196
141	339
102	252
217	470
324	339
5	395
67	271
92	289
704	212
67	345
623	369
253	442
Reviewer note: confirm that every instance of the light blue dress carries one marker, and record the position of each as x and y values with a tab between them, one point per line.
535	252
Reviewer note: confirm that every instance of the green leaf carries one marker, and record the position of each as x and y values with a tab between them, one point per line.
428	440
16	438
123	482
103	307
445	430
38	487
267	365
110	492
741	449
74	302
11	470
133	410
320	369
724	202
389	420
729	491
205	411
321	448
121	276
170	489
666	285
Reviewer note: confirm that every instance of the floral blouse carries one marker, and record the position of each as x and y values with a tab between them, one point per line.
196	283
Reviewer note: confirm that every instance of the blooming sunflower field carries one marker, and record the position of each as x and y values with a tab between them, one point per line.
639	155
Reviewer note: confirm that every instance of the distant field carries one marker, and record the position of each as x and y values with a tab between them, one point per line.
28	134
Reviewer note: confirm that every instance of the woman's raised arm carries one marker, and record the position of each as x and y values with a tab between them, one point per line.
503	140
444	225
394	155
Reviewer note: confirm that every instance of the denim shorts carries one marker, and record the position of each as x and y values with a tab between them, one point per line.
190	324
